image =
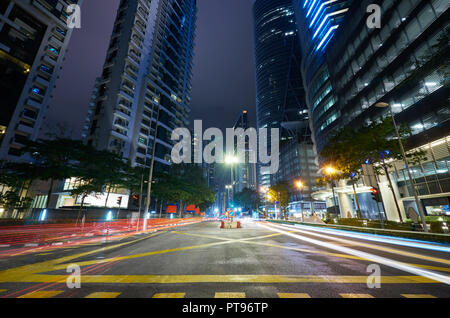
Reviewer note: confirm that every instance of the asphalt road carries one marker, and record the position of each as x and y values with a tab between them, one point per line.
261	260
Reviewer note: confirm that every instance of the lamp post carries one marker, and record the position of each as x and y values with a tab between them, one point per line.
411	180
269	198
301	187
231	160
229	187
264	191
330	171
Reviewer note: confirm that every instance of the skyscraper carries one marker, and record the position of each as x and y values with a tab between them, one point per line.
146	82
244	173
402	63
280	93
34	36
318	22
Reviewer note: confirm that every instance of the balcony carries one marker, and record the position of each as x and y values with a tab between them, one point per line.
33	103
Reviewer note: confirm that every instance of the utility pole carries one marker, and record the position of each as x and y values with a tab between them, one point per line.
152	164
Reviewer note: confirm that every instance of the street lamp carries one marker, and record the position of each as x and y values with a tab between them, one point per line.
411	180
331	171
229	187
231	160
301	187
264	191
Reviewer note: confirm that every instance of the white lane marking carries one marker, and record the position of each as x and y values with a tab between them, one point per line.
5	245
362	244
393	241
368	256
31	245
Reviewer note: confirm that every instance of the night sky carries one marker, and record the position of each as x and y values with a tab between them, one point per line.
223	83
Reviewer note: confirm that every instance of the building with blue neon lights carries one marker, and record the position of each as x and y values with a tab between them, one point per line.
280	93
348	68
318	22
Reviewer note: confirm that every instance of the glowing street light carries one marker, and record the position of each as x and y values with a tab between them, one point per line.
231	160
301	186
331	171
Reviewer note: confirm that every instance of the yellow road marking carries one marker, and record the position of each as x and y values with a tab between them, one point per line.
122	258
308	251
103	295
356	296
229	295
20	273
294	295
169	295
3	290
418	296
42	294
252	279
227	239
444	269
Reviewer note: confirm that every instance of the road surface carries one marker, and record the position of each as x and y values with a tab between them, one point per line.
261	260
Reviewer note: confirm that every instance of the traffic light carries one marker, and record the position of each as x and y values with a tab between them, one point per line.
376	195
119	200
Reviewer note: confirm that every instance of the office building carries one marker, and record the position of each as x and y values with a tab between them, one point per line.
402	64
280	94
244	173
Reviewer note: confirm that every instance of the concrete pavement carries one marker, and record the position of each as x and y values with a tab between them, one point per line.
261	260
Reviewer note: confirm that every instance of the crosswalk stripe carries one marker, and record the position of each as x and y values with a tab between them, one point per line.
42	294
293	295
229	295
169	295
103	295
356	296
418	296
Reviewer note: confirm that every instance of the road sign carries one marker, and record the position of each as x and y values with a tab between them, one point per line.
232	214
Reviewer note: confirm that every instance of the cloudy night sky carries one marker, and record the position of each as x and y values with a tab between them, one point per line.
223	82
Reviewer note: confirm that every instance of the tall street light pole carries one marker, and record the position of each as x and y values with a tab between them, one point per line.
411	180
301	187
264	191
330	171
152	164
231	160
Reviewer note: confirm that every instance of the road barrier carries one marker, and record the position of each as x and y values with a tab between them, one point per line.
228	224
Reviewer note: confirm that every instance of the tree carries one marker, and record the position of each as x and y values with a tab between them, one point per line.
15	179
185	184
85	190
350	148
280	193
247	199
53	160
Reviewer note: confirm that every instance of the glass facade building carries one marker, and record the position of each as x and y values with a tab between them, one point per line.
244	173
403	63
280	93
318	22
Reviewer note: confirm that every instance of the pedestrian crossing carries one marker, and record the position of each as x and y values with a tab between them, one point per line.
222	295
